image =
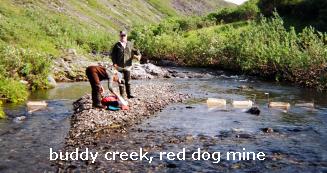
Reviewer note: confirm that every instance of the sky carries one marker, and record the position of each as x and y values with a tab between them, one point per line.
236	1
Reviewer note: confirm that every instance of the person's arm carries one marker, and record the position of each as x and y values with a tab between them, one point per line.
110	82
136	54
114	55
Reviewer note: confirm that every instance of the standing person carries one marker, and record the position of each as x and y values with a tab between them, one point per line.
123	52
96	74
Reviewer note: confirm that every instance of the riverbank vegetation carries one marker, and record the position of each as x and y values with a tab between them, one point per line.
242	39
2	113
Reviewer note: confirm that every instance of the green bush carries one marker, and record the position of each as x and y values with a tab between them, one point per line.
13	91
18	63
2	113
264	47
247	11
269	49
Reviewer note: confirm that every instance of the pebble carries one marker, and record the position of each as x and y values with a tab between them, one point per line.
19	119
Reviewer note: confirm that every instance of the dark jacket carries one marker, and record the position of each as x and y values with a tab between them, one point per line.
123	57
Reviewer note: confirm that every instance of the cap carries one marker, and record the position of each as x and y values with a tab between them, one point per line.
122	33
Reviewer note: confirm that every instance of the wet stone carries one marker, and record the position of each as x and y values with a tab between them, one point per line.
268	130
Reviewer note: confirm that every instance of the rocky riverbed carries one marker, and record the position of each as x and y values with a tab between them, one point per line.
88	124
71	68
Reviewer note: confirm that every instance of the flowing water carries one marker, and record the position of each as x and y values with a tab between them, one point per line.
298	143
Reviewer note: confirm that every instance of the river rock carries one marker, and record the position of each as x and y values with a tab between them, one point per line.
51	81
71	67
138	72
267	130
147	71
19	119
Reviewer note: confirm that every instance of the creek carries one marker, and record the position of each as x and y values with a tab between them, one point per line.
298	143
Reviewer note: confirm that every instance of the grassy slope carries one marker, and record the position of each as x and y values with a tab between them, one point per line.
34	31
48	26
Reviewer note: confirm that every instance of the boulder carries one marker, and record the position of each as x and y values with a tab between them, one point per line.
51	81
147	71
138	72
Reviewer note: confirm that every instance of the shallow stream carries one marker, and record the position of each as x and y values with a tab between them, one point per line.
298	143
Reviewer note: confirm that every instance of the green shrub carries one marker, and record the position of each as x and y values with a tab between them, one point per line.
264	47
269	49
18	63
2	113
13	91
247	11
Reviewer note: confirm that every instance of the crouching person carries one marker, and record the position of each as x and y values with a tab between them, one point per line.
96	74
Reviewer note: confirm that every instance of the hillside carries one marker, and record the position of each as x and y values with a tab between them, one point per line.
33	33
51	25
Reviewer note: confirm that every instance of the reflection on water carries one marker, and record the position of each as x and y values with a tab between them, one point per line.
25	146
301	132
69	91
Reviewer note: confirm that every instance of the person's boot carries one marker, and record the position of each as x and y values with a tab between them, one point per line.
96	100
122	90
129	92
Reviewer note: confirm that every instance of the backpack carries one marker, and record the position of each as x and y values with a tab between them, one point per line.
113	103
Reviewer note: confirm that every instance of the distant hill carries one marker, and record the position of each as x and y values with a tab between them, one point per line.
50	25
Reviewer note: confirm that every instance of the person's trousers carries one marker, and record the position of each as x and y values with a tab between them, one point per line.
127	79
93	76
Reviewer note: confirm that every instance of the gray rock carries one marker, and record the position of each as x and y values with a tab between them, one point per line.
19	119
154	70
147	71
138	72
51	81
